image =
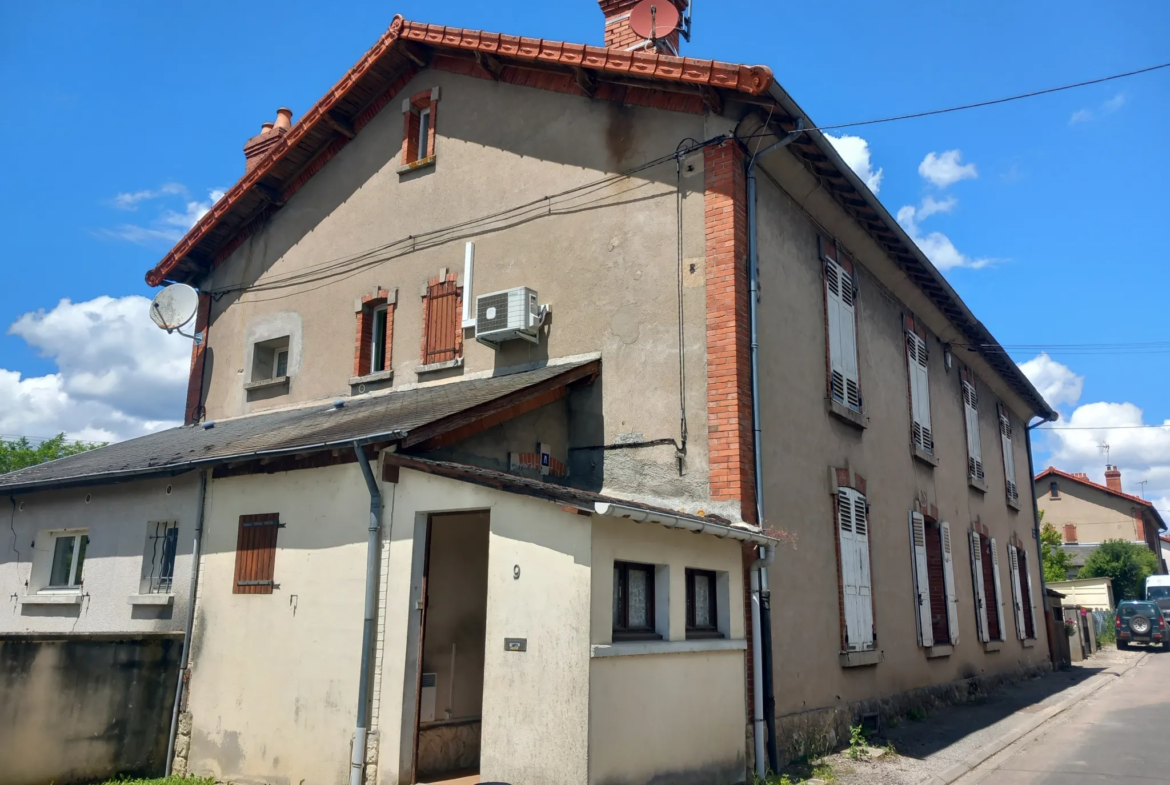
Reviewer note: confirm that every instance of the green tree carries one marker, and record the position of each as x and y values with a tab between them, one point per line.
1127	563
21	453
1057	561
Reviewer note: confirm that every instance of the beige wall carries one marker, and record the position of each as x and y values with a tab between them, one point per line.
1095	593
673	716
802	441
1098	516
605	261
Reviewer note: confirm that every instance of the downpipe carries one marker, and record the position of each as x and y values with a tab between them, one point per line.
358	753
184	659
1036	512
761	602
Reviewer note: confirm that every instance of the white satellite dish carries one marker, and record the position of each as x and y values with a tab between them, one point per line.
174	306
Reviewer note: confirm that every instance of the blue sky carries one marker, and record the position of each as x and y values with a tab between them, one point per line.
1064	209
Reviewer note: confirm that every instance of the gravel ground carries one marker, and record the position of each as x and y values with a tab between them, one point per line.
932	745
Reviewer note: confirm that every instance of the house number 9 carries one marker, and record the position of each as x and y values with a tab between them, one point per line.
516	572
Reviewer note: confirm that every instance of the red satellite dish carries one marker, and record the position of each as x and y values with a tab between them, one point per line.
654	19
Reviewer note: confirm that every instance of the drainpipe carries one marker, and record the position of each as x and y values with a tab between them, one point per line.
762	655
759	577
185	657
1036	511
358	754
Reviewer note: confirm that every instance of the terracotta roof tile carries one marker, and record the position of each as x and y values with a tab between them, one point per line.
1096	485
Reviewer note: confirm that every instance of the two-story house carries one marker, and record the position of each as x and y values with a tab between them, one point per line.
486	338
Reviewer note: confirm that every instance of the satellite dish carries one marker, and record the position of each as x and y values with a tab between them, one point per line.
174	306
654	19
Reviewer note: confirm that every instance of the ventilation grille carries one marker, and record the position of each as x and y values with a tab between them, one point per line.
492	313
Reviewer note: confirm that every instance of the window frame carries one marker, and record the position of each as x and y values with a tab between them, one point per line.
267	354
918	382
152	559
280	356
851	567
76	570
378	353
418	131
623	631
969	390
693	630
424	133
1053	490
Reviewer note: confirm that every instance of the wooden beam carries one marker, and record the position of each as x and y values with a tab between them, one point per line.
490	64
712	99
585	81
339	124
413	53
270	194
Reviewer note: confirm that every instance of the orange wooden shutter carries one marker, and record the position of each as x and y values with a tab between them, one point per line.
256	553
443	323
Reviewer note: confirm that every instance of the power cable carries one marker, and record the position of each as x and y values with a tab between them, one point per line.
1098	427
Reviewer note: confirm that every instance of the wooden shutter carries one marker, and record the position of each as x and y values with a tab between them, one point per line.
998	598
443	323
844	382
949	584
921	579
256	553
853	530
974	448
1029	595
1009	458
919	392
1017	595
980	589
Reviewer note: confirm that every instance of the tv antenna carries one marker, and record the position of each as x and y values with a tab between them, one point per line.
1143	484
1105	447
174	307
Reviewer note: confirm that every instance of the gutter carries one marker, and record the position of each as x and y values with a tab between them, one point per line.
200	502
358	753
686	523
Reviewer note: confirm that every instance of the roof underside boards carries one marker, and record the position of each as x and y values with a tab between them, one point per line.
393	415
409	46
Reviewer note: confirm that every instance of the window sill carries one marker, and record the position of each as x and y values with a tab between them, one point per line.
928	458
1028	643
358	384
151	599
978	485
641	648
60	598
415	166
934	652
264	384
846	415
860	659
1014	504
443	366
991	646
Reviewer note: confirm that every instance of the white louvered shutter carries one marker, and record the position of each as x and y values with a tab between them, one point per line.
1009	458
1017	595
919	392
921	578
997	598
980	589
974	449
853	528
843	377
949	584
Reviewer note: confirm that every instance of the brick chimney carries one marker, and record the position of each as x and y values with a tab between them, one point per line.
1113	478
618	34
256	147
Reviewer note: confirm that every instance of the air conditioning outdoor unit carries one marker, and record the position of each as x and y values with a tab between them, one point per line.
507	315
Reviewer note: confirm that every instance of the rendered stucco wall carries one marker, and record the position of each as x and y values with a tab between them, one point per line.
1098	516
116	517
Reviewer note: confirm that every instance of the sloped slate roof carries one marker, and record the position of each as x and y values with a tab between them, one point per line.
308	429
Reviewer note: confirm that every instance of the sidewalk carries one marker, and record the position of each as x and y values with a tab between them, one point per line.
939	748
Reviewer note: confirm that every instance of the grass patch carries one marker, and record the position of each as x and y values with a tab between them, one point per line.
916	714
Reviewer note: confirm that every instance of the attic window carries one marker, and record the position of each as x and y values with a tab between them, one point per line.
270	360
418	132
1054	490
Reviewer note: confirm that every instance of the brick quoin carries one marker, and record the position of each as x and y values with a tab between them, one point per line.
729	393
193	411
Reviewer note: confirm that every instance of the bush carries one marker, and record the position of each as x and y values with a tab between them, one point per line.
1127	563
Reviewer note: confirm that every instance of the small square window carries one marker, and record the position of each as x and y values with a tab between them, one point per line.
270	359
702	613
68	560
633	602
158	558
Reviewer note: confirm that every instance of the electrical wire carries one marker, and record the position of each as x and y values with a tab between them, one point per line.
1097	427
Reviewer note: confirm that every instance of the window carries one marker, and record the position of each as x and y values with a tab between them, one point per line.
1025	611
917	366
375	332
934	581
256	553
971	409
702	613
378	340
1070	532
68	560
841	316
442	321
633	602
270	359
418	135
1053	490
856	586
158	559
1009	458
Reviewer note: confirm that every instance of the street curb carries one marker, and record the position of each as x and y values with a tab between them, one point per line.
972	761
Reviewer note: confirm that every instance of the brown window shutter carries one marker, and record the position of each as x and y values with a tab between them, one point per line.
443	323
256	553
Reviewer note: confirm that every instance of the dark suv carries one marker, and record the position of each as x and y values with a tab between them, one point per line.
1140	621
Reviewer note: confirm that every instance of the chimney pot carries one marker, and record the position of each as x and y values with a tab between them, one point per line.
1113	478
265	128
283	119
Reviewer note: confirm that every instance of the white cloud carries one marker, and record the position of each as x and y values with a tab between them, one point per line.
1113	104
944	170
118	376
1080	116
1055	381
936	245
854	150
1107	107
171	224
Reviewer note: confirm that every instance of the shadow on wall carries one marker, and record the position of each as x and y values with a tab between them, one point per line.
75	710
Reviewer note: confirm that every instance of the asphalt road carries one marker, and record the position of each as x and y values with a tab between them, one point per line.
1121	734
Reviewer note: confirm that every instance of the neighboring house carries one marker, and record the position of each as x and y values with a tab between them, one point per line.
1094	593
1087	514
526	598
1164	540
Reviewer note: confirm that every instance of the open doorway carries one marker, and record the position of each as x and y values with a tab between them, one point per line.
454	622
